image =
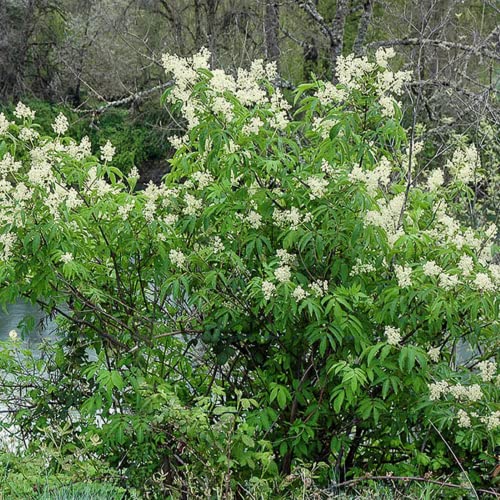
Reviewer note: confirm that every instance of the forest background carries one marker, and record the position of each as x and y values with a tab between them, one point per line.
102	59
100	63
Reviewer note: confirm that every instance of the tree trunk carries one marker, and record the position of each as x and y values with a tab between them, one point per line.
198	30
212	30
337	31
364	24
310	58
271	30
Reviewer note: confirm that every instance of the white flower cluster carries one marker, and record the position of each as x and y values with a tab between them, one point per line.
108	152
22	111
61	196
465	164
4	124
253	126
204	179
351	72
494	270
329	93
431	269
327	168
381	174
389	84
61	124
177	258
403	275
170	219
151	194
463	419
40	172
97	185
322	126
319	288
284	257
177	142
66	258
382	56
459	392
134	173
392	82
317	186
124	210
254	219
387	217
7	241
246	86
466	265
435	179
447	232
283	274
8	165
299	293
437	390
471	393
279	110
193	205
27	134
217	245
268	289
361	268
434	354
291	219
491	421
55	193
393	335
488	370
448	281
483	283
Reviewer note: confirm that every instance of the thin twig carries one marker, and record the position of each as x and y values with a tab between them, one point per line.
456	459
351	482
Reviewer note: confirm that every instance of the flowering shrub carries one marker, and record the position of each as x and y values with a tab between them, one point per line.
294	260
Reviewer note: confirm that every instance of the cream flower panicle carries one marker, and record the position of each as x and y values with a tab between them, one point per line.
403	275
268	289
434	354
61	124
299	293
393	335
487	370
108	152
66	258
431	269
23	111
177	258
283	274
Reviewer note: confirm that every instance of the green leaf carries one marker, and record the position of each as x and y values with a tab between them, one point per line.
337	404
281	398
334	131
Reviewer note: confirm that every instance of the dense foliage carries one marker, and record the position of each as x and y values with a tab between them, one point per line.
296	293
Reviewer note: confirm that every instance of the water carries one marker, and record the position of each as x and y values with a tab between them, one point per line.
14	316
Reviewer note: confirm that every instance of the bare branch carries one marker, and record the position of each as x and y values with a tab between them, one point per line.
311	10
445	484
442	44
364	23
133	98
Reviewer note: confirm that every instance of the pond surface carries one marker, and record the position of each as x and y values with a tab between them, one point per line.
12	318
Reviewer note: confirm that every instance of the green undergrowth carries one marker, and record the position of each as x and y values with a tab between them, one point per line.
140	136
